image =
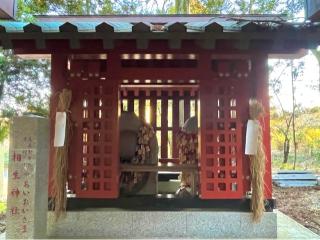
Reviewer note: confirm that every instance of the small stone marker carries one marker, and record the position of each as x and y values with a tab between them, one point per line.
28	178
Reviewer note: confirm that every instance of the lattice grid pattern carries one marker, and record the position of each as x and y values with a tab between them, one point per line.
95	152
222	121
94	162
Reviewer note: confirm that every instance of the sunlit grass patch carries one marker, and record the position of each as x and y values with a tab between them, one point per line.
3	207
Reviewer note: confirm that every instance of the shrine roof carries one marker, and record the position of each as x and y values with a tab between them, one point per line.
163	18
155	23
206	28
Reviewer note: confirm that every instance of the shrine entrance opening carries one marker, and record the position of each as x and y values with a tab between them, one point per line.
170	109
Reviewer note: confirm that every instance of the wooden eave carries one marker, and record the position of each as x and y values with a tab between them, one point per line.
270	37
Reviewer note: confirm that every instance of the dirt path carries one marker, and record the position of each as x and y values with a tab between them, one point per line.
301	203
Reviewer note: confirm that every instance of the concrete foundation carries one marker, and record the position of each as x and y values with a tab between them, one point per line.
115	223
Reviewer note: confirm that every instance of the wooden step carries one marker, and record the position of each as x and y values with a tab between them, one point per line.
292	178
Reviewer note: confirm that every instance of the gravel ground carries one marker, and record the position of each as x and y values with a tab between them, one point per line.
300	203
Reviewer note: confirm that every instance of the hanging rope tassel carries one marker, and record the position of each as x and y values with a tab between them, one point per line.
59	180
257	163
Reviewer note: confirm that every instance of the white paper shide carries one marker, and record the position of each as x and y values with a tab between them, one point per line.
60	129
252	137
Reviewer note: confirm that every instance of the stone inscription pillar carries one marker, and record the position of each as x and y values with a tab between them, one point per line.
28	178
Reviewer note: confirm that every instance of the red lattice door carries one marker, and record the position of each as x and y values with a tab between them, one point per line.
94	161
223	116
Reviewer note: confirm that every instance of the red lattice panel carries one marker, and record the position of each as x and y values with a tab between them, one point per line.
94	150
223	101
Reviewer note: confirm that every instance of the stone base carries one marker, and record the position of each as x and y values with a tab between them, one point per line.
115	223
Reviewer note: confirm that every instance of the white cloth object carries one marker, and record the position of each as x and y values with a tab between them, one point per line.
252	137
60	129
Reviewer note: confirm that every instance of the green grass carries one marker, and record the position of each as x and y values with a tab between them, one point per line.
3	207
304	162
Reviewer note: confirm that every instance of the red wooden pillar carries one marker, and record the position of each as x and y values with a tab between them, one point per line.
261	92
113	73
164	124
130	101
142	104
58	82
186	97
206	128
153	102
175	123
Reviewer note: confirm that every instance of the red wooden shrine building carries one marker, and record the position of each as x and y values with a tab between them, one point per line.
165	69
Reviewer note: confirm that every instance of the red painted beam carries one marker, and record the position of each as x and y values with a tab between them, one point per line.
160	73
28	46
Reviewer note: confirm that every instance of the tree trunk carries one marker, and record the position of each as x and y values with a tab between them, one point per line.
293	78
88	7
250	10
286	150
